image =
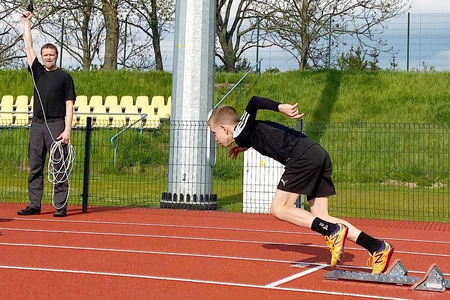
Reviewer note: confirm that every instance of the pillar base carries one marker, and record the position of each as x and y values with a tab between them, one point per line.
181	201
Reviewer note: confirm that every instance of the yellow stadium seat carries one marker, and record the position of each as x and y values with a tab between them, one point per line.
141	101
79	101
152	122
169	101
157	101
22	118
118	118
7	100
83	112
6	115
100	116
164	112
126	101
21	100
95	101
111	101
30	107
133	116
149	110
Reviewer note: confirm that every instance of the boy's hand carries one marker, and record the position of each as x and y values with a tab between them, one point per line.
290	110
235	151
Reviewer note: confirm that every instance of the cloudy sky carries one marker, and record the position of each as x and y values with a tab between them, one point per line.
430	6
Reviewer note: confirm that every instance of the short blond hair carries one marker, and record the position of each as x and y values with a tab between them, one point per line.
224	115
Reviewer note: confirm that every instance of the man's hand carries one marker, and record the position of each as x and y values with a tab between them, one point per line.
26	15
290	110
64	137
234	152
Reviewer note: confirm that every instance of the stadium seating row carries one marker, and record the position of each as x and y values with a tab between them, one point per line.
141	101
96	100
108	115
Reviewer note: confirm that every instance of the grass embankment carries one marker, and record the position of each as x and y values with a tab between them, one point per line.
326	97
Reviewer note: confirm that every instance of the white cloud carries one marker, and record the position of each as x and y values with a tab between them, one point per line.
430	6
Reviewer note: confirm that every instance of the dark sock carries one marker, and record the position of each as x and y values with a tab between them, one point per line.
323	227
368	242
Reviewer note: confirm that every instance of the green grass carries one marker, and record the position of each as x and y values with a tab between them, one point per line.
324	96
366	120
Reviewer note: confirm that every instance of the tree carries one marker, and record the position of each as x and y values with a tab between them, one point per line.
355	60
77	24
305	28
154	18
110	14
10	34
235	25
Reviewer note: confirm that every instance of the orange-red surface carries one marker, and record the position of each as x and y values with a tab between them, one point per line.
135	253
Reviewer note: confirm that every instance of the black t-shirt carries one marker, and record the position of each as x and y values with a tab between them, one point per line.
269	138
55	88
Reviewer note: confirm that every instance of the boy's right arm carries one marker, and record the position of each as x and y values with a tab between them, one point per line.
290	110
256	103
27	38
234	152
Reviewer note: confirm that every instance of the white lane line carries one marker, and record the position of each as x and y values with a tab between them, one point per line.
162	225
203	239
208	227
295	276
296	264
234	284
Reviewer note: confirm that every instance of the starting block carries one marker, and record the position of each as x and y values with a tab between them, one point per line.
433	280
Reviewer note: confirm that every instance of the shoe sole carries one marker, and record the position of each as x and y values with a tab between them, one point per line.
388	259
343	246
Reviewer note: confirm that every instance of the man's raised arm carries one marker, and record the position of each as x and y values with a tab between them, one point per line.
27	38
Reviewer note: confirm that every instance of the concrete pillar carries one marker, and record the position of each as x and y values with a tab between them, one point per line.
190	170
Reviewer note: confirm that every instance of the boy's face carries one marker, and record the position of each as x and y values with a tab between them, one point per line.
222	135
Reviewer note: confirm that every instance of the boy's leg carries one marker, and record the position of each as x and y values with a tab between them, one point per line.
319	208
283	208
380	251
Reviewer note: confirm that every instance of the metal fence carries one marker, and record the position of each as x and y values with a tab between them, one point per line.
410	42
390	171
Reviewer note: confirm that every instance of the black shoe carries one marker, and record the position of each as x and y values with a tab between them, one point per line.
60	213
29	211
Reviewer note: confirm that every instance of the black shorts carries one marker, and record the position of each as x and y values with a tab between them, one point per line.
309	174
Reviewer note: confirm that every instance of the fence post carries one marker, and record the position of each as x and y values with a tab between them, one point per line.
258	70
62	43
407	46
300	200
329	45
87	157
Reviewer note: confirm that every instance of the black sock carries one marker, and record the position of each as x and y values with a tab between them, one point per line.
368	242
323	227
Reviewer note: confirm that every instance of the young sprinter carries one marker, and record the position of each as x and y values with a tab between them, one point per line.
307	171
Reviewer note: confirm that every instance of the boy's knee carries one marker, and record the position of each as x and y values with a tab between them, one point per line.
276	211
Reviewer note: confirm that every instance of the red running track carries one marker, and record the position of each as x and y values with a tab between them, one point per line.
132	253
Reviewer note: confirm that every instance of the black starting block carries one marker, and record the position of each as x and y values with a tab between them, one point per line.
433	280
